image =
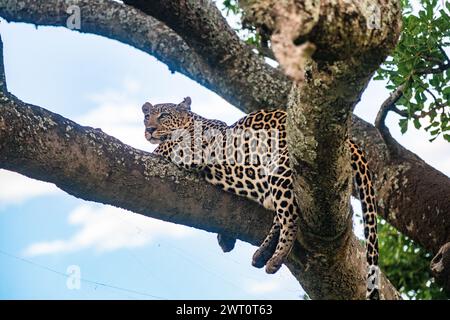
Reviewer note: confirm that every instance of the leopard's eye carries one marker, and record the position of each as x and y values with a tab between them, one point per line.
146	117
163	115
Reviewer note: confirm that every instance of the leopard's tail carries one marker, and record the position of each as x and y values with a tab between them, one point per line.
366	192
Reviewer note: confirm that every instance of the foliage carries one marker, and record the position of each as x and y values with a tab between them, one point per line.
421	64
247	33
231	6
407	265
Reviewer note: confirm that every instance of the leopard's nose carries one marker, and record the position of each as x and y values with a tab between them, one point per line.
150	129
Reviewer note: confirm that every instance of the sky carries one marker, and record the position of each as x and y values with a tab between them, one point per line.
47	236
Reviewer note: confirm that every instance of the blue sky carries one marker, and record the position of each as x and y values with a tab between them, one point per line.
102	83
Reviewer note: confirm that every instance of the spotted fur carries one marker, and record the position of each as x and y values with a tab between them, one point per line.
250	158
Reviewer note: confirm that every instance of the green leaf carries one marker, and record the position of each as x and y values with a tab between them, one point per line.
378	77
432	139
435	132
403	125
417	123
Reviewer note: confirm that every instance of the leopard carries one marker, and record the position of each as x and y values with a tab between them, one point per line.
250	159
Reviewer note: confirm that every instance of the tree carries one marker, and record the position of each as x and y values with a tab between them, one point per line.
327	54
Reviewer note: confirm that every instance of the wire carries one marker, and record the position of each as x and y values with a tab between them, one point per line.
195	259
96	283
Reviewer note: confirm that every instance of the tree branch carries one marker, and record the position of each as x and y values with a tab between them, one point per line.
440	266
249	83
390	103
440	67
203	27
386	106
115	21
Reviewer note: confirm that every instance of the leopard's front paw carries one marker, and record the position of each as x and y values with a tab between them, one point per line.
261	256
226	242
274	264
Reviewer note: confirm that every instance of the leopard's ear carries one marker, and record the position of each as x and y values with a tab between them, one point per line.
186	104
146	107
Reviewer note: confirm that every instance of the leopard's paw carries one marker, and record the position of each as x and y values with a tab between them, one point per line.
261	256
274	264
226	242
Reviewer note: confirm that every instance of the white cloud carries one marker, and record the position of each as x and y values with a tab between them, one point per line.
16	188
118	113
107	228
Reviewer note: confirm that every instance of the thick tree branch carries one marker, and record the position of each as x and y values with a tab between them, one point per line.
197	22
203	27
115	21
235	82
440	266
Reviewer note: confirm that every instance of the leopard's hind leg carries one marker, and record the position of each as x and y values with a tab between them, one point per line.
268	246
286	211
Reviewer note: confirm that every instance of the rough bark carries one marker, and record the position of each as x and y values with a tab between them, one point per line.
360	26
249	95
440	266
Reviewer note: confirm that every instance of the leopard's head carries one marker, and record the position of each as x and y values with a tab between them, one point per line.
161	120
